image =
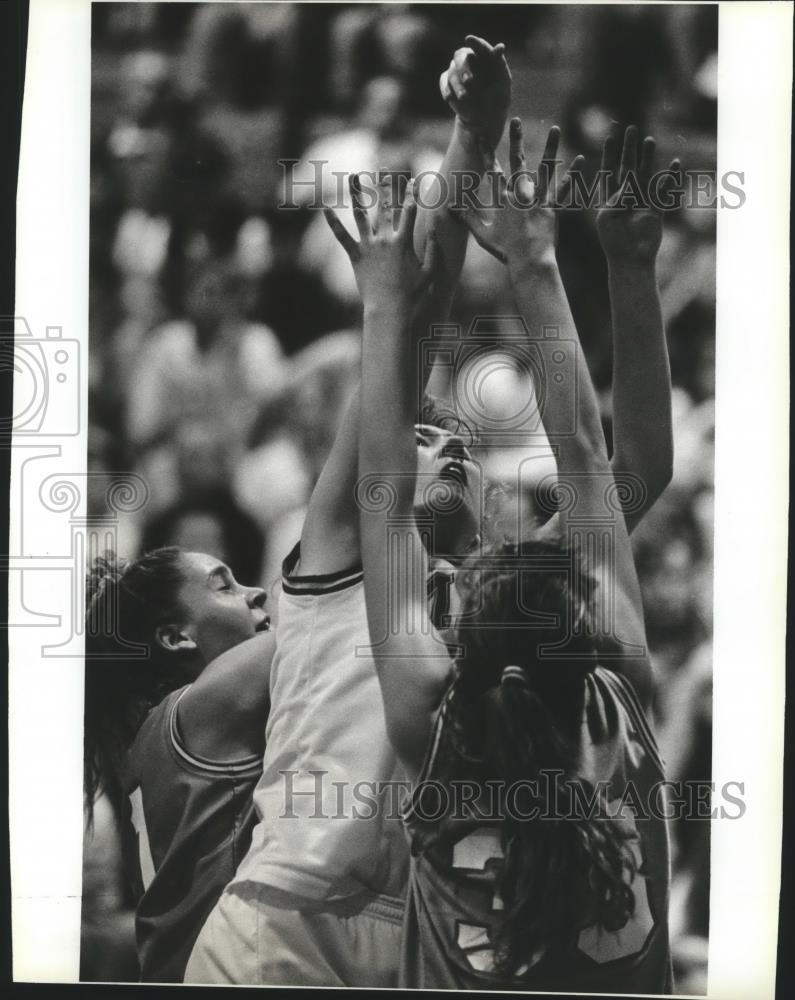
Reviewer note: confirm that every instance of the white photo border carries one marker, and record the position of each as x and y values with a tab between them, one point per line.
752	448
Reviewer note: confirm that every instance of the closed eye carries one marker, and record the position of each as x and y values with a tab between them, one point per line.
221	579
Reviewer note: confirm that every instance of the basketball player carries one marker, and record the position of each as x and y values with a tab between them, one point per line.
319	895
516	886
319	898
175	734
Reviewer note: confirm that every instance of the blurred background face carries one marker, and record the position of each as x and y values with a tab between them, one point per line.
211	293
383	105
668	589
202	460
145	75
200	530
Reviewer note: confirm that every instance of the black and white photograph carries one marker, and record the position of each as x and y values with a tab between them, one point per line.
391	584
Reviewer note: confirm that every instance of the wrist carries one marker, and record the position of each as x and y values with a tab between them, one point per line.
389	314
631	266
535	262
469	133
388	309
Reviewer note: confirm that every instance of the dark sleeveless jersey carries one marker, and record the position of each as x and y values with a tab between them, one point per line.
188	824
453	906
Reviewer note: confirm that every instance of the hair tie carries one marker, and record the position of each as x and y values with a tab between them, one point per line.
513	673
106	572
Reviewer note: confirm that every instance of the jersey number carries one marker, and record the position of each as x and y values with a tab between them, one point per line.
144	851
475	851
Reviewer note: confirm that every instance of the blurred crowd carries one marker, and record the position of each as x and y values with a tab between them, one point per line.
224	331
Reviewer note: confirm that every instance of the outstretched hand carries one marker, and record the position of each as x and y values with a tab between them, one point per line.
477	86
521	226
386	268
630	218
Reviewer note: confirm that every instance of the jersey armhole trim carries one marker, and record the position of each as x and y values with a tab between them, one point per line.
323	583
409	813
242	765
629	699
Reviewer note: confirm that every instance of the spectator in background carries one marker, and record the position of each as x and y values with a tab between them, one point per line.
143	310
292	298
206	516
324	376
292	438
239	54
140	146
380	139
368	40
236	67
106	460
628	55
211	363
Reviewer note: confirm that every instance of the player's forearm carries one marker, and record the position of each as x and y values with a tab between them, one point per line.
643	437
461	168
389	401
387	470
542	301
332	496
330	535
583	465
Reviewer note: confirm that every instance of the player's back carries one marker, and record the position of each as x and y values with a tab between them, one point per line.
189	823
453	907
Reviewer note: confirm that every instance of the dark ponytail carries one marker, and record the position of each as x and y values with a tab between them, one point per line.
522	713
127	672
561	866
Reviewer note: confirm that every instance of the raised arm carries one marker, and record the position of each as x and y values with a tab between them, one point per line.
410	669
330	535
477	86
522	234
630	231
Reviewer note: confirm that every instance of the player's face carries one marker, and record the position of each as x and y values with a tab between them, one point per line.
444	460
220	612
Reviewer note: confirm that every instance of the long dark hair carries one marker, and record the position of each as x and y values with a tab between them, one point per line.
520	713
127	672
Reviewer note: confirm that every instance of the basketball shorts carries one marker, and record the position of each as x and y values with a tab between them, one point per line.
260	936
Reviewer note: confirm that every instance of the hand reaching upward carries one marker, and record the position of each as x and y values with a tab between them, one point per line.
386	267
630	219
521	227
477	86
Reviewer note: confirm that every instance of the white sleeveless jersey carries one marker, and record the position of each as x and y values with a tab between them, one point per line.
330	794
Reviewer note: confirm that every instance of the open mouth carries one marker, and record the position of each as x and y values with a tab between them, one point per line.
454	472
264	625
